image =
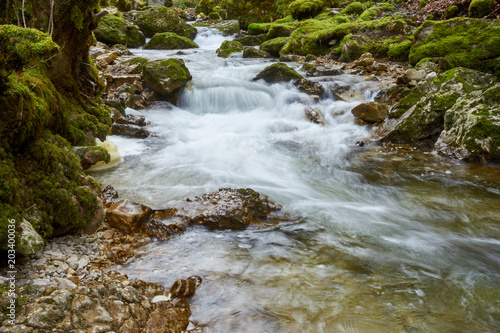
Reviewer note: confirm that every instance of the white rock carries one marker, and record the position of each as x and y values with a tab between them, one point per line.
65	284
73	262
55	255
160	298
84	261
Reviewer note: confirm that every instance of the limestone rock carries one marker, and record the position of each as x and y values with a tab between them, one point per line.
169	41
116	30
315	116
421	114
228	209
163	19
309	87
372	112
127	215
129	130
28	241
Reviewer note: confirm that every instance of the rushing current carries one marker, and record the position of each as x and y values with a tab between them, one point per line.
386	238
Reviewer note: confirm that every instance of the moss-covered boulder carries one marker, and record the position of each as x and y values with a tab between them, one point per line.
170	41
252	52
163	19
274	46
167	76
472	128
421	113
303	9
278	72
227	27
116	30
355	7
480	8
227	47
471	43
252	40
28	241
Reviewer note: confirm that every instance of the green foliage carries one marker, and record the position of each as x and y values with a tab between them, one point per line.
303	9
480	8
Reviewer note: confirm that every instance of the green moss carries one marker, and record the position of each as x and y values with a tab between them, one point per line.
480	8
274	46
354	8
227	47
451	11
368	14
303	9
400	51
422	3
169	41
116	30
471	43
163	19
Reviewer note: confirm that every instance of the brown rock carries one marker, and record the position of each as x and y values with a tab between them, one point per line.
310	87
128	216
371	112
315	116
168	317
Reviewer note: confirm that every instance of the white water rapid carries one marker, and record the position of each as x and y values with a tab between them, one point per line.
387	239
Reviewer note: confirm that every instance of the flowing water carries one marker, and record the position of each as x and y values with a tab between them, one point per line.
386	239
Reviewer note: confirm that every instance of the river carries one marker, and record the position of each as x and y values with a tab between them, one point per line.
386	238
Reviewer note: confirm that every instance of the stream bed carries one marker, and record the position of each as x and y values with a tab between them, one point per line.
386	238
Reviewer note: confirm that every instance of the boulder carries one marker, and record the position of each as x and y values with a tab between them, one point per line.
310	87
389	96
128	216
166	76
278	72
365	60
372	112
90	155
421	114
312	70
252	52
116	30
169	41
163	19
465	42
410	75
472	128
273	46
28	241
227	47
227	27
347	93
129	130
252	40
228	209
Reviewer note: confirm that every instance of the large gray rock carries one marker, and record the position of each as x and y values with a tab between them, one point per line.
28	241
472	128
421	113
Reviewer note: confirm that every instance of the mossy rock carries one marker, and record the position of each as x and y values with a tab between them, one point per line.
116	30
227	47
252	40
170	41
274	46
354	8
304	9
471	43
227	27
480	8
421	114
252	52
278	72
163	19
166	76
471	128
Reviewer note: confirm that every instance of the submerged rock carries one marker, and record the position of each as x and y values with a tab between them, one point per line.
128	216
228	209
315	116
